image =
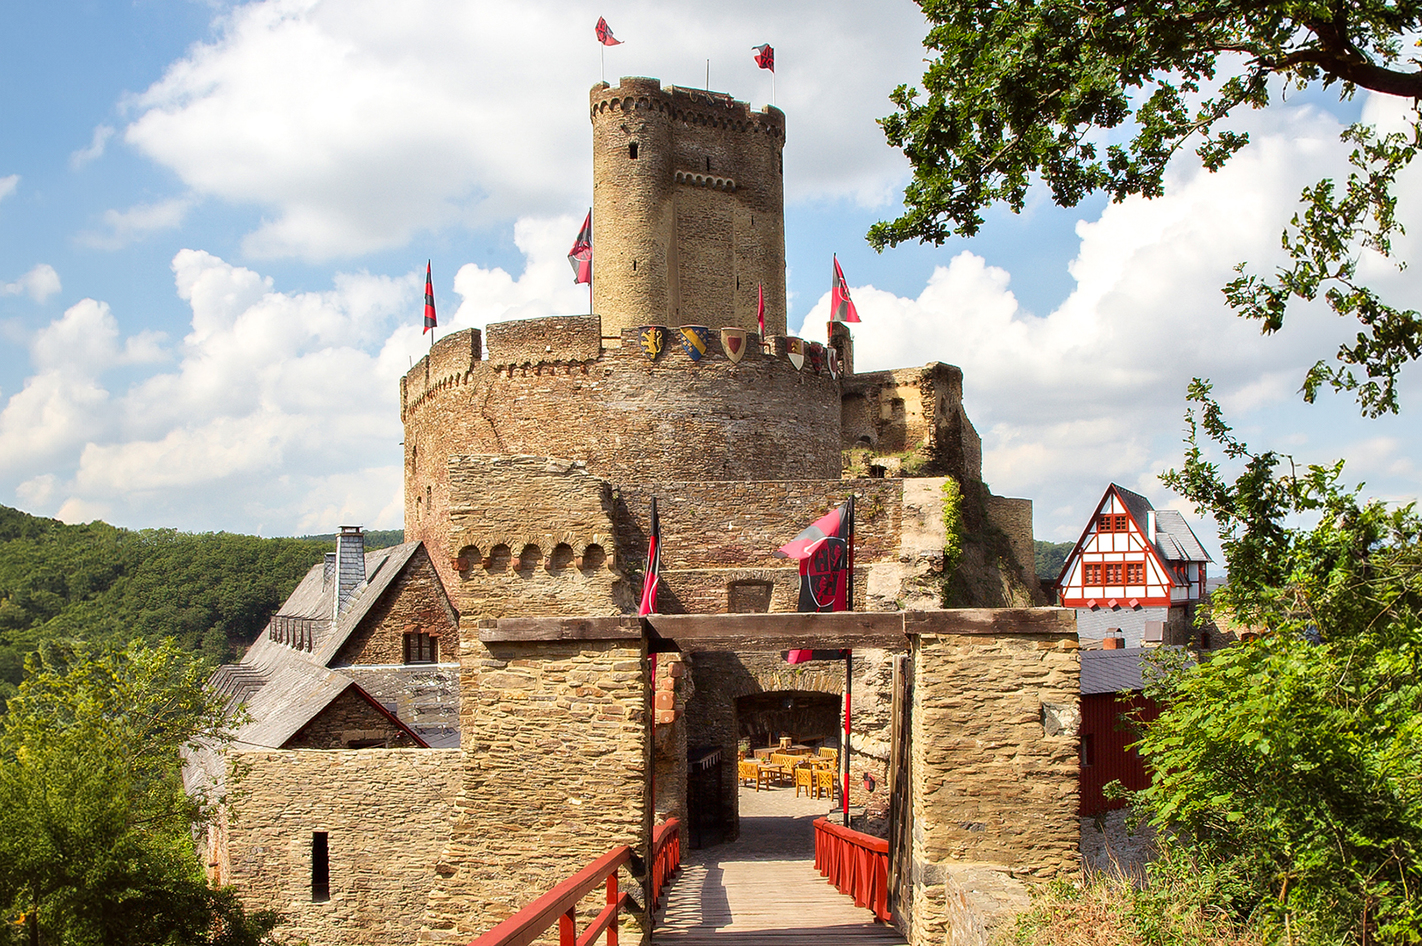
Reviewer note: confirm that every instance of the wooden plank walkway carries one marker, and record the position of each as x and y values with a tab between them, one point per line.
764	888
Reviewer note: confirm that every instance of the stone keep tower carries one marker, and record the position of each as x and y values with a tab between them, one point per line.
688	208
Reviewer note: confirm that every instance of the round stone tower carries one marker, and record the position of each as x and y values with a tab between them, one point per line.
688	208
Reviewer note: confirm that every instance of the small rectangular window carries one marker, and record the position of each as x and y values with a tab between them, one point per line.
320	867
1088	749
632	151
1135	573
1093	574
421	648
1121	523
1111	573
1103	523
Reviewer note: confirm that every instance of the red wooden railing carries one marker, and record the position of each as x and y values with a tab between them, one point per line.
856	863
666	856
561	903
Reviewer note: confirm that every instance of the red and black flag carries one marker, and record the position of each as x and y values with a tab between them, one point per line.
430	321
652	574
604	34
580	256
760	308
765	56
841	306
826	554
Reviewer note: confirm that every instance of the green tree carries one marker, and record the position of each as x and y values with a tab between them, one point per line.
96	831
1021	90
1292	762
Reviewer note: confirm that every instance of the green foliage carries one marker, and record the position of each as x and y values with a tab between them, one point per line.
95	827
1050	557
212	592
374	538
952	525
1022	90
1291	763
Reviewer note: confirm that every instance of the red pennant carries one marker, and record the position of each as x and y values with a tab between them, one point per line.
765	56
430	320
841	306
604	34
760	308
580	256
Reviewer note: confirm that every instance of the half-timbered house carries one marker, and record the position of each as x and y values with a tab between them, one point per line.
1135	575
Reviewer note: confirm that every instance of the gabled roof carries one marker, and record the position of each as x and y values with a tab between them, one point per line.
1173	541
284	687
1176	540
314	598
1111	671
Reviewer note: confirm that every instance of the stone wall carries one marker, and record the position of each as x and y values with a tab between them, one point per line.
532	536
534	341
415	601
688	208
994	755
386	814
628	418
722	534
556	742
424	696
350	721
915	418
1014	517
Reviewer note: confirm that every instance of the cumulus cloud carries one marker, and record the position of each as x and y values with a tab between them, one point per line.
1093	391
278	410
95	149
39	284
135	223
353	129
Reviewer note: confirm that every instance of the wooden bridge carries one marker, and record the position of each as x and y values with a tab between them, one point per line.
789	879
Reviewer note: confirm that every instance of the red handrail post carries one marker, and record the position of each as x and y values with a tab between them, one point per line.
568	929
612	905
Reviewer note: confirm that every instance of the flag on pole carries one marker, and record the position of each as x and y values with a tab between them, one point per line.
760	308
430	321
765	56
604	34
825	551
580	256
652	574
841	306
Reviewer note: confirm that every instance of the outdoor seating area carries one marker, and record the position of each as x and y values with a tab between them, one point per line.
808	770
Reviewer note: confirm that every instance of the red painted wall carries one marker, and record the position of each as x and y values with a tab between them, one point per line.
1104	738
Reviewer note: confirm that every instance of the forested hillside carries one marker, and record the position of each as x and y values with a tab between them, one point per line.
213	592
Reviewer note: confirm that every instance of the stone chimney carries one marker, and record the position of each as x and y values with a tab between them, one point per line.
350	568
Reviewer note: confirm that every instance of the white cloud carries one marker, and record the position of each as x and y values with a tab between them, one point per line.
353	129
137	222
8	185
39	284
544	288
95	149
1094	391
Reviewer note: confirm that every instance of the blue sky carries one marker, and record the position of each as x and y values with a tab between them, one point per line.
214	220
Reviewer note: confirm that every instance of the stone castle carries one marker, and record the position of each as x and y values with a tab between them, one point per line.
533	451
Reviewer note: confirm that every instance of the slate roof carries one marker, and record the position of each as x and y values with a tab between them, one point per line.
284	687
1115	671
1111	671
1173	537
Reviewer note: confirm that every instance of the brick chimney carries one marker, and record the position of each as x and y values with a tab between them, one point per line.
350	568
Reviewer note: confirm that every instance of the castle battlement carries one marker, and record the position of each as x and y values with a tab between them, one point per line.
692	106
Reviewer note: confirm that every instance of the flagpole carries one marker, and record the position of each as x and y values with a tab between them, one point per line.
602	54
848	654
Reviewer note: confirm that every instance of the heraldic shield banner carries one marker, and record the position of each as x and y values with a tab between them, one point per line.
825	551
654	339
696	341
